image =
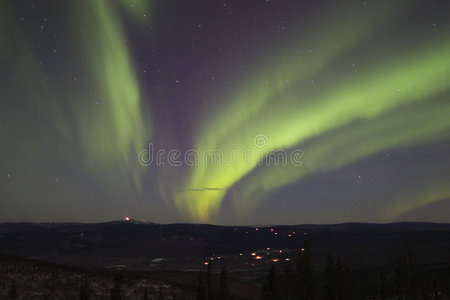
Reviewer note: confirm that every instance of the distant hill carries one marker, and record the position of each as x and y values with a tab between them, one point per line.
148	246
170	258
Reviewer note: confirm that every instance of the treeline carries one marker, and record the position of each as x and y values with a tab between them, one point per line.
335	279
403	279
210	288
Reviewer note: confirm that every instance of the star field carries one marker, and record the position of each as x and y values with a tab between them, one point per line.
357	92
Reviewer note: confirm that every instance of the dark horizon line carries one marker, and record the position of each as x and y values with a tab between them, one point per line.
133	221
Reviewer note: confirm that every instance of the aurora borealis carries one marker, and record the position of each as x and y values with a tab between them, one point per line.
359	90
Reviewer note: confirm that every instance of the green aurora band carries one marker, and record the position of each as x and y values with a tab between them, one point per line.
305	95
112	136
286	108
108	136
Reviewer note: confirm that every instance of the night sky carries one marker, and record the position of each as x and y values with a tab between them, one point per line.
260	111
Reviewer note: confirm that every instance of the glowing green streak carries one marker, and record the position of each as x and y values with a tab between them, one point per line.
113	132
411	202
110	133
401	127
315	55
234	125
293	120
200	205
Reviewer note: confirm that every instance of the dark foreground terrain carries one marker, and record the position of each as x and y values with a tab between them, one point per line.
137	260
26	279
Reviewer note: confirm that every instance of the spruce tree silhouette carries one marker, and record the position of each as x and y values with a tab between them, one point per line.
209	282
270	287
337	279
343	280
382	293
201	287
405	284
116	292
305	272
224	292
205	284
330	279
